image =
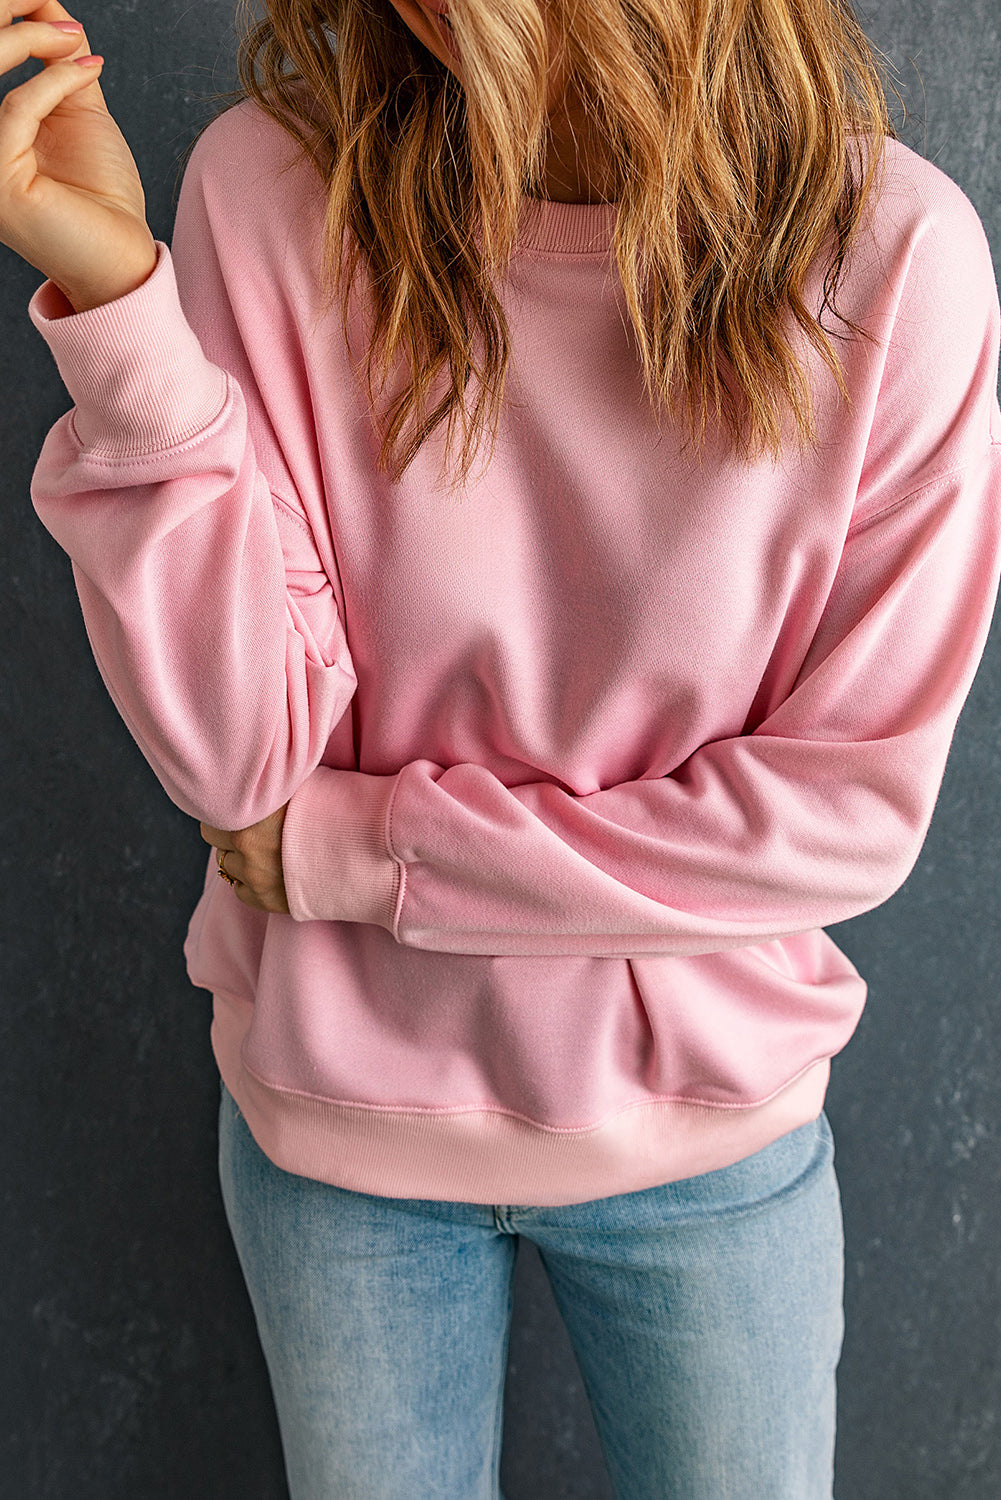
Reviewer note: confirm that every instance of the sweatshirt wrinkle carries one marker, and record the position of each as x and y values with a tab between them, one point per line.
578	765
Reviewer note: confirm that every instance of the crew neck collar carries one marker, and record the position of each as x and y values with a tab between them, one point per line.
565	228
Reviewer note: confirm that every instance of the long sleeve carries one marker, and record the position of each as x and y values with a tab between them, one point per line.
208	611
815	817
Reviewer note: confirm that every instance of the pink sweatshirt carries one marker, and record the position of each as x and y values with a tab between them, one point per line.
579	764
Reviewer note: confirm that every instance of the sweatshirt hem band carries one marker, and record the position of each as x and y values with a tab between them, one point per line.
489	1156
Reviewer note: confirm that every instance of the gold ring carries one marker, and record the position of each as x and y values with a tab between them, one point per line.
220	856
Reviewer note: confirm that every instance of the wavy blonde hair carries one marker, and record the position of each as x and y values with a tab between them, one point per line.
729	122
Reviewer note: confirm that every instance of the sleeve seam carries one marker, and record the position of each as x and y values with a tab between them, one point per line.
861	524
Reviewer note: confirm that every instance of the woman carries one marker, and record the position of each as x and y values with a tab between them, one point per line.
530	793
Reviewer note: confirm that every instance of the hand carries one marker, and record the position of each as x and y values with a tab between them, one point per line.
253	856
71	200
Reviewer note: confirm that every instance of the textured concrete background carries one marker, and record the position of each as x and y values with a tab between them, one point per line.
131	1364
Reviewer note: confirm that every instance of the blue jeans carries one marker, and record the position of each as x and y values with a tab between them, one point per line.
705	1316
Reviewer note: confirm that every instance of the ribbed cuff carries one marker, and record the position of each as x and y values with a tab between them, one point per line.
134	367
335	857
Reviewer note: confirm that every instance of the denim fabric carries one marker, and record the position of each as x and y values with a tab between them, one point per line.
705	1315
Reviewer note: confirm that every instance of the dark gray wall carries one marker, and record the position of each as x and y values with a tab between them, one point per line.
131	1364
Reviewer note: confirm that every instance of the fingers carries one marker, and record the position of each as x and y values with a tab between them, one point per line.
258	874
36	36
217	836
24	108
231	865
222	842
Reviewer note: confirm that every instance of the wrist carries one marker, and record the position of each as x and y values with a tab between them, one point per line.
85	299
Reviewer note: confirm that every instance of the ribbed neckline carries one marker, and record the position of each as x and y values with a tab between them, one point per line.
566	228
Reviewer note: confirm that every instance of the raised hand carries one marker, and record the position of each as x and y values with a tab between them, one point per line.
71	200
